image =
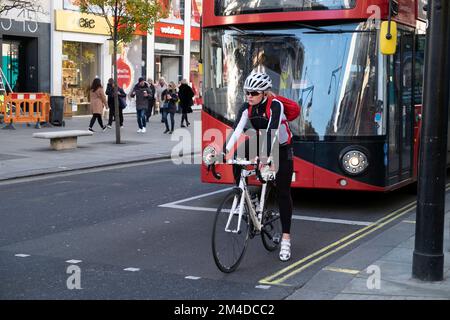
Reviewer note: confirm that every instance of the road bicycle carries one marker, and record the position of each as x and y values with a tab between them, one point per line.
242	216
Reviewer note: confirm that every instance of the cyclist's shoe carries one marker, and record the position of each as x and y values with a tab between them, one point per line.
285	250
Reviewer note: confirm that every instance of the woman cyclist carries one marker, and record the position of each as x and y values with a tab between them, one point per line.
256	87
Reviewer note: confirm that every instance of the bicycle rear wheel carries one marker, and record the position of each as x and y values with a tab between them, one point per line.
229	243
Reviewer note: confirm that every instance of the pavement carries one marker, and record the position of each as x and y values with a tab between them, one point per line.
24	156
389	254
378	269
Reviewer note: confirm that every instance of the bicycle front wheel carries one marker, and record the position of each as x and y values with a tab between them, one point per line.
229	239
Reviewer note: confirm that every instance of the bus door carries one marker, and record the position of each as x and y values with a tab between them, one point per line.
401	110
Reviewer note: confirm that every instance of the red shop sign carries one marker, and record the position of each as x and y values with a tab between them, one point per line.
167	30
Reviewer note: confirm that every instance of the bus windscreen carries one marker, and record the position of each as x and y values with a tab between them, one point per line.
236	7
333	76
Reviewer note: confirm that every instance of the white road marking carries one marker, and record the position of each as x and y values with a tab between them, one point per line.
190	208
339	221
132	269
192	278
74	261
262	286
176	205
170	204
21	255
294	217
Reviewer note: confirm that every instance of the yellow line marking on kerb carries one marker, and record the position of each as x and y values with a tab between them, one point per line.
364	232
340	244
341	270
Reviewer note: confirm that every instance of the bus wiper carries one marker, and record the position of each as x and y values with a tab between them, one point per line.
246	33
307	26
323	30
310	91
333	75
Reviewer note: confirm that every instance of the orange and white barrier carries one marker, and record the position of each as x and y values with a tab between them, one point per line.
26	108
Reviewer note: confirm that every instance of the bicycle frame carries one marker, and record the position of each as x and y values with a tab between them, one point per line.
255	215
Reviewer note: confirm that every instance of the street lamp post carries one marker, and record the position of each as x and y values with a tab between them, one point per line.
428	256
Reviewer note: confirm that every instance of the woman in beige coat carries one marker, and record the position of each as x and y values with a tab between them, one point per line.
98	101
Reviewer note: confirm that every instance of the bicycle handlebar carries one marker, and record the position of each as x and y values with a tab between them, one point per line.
249	163
239	162
242	162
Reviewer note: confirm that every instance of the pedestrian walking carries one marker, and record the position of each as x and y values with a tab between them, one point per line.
185	93
98	102
160	87
169	99
141	92
112	109
151	98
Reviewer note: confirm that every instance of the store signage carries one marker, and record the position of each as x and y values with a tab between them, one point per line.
70	21
171	30
167	30
165	46
87	23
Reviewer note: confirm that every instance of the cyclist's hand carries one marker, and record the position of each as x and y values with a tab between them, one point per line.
267	171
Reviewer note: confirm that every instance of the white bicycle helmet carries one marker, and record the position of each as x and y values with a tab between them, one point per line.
258	81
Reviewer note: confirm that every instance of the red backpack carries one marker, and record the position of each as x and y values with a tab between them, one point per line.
291	108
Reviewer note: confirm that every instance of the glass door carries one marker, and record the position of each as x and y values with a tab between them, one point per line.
10	63
401	109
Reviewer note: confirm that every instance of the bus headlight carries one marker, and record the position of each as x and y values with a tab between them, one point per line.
209	155
354	162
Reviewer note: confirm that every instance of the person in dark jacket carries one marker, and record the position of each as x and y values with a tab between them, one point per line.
151	98
122	103
141	92
185	94
169	98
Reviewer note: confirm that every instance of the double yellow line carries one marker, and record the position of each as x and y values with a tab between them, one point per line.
281	276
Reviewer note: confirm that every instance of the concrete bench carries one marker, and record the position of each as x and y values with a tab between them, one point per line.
63	140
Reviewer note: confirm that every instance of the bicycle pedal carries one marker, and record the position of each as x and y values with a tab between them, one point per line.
276	239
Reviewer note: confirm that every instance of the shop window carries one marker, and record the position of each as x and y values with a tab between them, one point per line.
79	68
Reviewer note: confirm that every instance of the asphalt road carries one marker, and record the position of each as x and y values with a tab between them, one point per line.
105	222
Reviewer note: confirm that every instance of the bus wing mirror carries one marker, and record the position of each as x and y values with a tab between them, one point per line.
388	37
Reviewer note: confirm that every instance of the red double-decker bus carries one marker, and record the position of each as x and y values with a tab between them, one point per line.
361	110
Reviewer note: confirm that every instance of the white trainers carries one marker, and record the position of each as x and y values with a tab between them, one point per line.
285	250
139	131
144	130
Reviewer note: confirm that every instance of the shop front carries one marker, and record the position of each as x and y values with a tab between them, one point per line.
196	72
169	51
80	53
87	53
131	65
25	48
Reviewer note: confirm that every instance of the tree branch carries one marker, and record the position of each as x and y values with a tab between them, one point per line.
7	5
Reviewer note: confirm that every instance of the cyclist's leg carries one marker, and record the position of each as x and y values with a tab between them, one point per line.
283	182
